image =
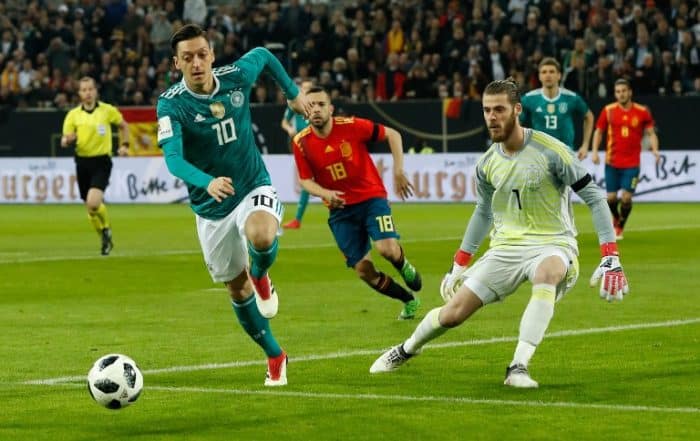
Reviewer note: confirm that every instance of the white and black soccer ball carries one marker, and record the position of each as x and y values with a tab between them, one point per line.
115	381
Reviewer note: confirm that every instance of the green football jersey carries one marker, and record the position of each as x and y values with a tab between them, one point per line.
297	121
553	116
528	192
208	136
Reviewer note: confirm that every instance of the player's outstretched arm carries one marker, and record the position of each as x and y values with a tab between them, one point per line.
68	139
402	186
220	188
595	145
301	105
653	143
588	122
333	198
477	229
609	273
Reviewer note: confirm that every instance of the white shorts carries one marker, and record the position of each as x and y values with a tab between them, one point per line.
223	241
499	272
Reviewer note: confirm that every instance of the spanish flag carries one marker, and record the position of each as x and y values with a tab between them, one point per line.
452	107
143	130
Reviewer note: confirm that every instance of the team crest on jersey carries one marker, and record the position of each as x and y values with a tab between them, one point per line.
551	108
533	177
563	107
635	121
217	109
237	98
345	149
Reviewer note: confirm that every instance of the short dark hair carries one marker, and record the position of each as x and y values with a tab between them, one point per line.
623	81
318	89
187	32
504	87
549	61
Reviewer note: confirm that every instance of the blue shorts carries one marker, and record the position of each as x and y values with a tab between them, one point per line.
354	226
621	178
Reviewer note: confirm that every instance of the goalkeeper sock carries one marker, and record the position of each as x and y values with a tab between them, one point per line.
303	202
613	210
534	323
257	326
261	260
625	210
386	286
428	329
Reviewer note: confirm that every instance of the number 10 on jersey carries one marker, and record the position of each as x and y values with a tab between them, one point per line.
225	131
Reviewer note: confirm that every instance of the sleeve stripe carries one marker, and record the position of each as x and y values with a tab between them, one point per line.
578	185
375	132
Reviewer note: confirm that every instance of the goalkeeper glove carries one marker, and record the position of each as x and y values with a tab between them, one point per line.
613	283
450	283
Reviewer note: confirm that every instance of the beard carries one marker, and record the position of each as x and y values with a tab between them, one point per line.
508	128
319	123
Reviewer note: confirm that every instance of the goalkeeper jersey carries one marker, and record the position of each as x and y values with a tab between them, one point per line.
207	136
527	193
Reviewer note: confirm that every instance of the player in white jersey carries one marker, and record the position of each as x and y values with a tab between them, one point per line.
523	182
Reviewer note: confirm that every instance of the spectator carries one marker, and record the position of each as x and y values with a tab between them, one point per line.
195	11
645	80
395	38
161	29
418	85
696	88
390	82
669	72
9	79
8	44
496	63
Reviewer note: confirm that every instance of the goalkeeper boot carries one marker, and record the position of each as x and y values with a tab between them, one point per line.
517	376
391	360
265	296
409	309
276	370
410	275
107	244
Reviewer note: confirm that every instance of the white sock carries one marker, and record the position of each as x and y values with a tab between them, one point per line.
428	329
523	353
534	322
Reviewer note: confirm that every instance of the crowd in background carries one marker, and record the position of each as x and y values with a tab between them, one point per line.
360	50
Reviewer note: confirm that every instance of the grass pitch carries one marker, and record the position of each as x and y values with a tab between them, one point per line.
625	371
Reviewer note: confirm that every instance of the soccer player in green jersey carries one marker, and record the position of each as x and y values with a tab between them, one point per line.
293	123
205	130
523	197
551	109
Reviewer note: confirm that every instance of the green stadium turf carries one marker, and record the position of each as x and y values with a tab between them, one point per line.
626	371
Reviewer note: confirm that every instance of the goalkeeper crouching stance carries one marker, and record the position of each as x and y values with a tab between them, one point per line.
523	183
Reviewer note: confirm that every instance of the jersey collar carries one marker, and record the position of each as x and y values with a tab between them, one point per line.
217	85
97	104
551	100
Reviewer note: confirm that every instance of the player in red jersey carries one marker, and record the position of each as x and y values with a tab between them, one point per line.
625	123
334	164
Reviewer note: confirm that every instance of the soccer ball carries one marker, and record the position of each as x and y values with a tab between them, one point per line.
115	381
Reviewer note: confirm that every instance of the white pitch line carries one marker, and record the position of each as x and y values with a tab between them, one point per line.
419	398
362	352
9	258
461	400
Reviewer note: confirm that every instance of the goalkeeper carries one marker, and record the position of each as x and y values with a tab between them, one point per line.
522	184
